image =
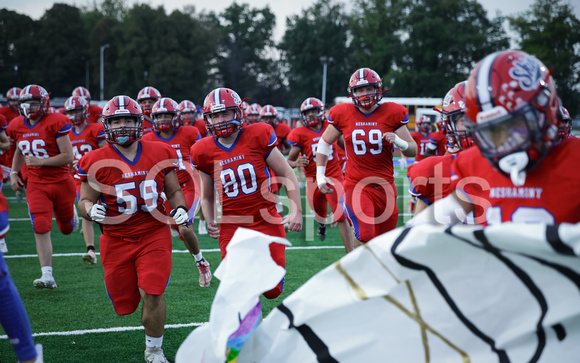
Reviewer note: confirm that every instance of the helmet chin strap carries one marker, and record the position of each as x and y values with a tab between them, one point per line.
515	165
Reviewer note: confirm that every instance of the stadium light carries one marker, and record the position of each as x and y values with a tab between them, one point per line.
103	47
325	60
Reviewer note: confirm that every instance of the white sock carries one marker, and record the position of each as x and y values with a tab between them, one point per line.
197	257
46	270
202	222
151	342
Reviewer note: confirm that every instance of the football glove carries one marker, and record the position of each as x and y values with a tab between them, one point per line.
97	212
180	215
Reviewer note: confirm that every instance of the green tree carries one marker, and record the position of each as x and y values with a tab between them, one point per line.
321	30
551	32
61	50
377	29
243	55
17	49
443	40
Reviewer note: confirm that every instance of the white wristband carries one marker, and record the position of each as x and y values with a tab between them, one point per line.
323	147
432	146
13	172
320	175
400	143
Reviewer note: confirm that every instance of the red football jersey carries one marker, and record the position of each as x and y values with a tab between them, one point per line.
9	113
86	140
241	174
94	114
282	130
307	140
130	189
200	125
182	141
430	179
551	193
147	126
40	141
423	140
368	153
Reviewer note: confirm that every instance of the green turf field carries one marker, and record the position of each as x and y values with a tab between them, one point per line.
76	322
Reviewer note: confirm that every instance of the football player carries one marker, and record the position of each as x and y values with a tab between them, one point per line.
146	99
43	144
304	141
168	130
236	160
430	179
518	171
84	137
427	141
253	113
94	110
122	186
10	112
370	131
269	115
565	129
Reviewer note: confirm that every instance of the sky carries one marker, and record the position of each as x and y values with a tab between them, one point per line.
281	8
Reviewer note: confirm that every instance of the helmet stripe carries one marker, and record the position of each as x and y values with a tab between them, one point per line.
216	96
483	84
361	73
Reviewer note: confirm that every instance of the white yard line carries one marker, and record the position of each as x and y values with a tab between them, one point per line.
107	330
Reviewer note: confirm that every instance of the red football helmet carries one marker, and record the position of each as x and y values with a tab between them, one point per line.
565	129
13	98
313	120
424	124
245	108
80	91
453	110
148	93
34	92
188	111
165	105
269	115
122	106
74	103
253	113
365	77
220	100
512	111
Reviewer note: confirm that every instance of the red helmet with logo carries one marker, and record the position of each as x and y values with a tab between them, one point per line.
122	106
13	98
34	92
220	100
269	114
165	105
80	91
512	111
147	93
453	111
313	120
361	78
74	103
188	112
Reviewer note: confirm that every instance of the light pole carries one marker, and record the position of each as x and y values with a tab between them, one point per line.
103	47
325	60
